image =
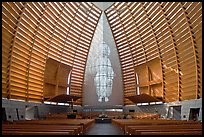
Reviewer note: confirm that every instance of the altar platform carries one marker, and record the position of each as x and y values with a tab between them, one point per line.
103	120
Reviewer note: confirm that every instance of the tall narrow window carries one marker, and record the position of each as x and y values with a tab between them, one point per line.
103	77
104	73
137	82
68	82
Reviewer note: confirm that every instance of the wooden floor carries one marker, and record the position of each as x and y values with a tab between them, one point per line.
104	129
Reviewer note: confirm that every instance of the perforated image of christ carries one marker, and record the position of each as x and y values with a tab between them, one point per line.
104	74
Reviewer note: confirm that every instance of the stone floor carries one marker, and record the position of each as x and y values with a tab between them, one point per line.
104	129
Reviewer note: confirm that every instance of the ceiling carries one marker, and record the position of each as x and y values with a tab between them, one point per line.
103	5
142	31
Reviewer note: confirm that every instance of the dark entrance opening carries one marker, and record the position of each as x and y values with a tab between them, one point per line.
194	114
4	114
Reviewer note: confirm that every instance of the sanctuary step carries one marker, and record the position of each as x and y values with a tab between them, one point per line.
104	129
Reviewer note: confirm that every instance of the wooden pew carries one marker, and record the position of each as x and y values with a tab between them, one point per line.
85	123
132	130
71	126
132	126
173	133
34	133
75	130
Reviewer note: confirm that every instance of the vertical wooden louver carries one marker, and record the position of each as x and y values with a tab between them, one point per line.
170	31
119	24
35	31
63	31
89	15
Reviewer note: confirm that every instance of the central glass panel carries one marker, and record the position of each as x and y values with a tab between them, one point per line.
104	73
103	78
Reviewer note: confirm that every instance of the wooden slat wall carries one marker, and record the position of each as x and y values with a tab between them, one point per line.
35	31
170	31
84	38
120	30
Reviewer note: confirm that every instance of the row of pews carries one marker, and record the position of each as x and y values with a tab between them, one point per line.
47	127
158	127
110	114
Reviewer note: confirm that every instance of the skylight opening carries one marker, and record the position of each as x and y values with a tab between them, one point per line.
119	33
82	11
183	26
68	13
91	24
119	29
50	23
85	40
73	41
72	11
123	12
25	19
39	41
18	9
161	26
86	33
87	28
169	6
136	6
50	16
61	33
129	20
41	5
174	15
59	6
112	13
54	10
116	27
143	22
138	21
40	50
77	25
64	24
155	11
114	19
95	17
83	35
44	32
130	27
119	40
80	50
74	31
150	5
133	39
74	5
79	19
115	23
80	55
157	16
35	5
92	19
21	29
178	22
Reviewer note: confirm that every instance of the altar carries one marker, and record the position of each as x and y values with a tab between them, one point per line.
103	120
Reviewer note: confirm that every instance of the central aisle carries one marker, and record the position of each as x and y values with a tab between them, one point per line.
104	129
